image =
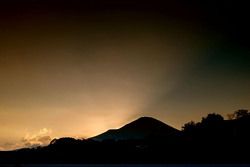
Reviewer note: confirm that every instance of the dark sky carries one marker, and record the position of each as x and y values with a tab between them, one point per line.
77	68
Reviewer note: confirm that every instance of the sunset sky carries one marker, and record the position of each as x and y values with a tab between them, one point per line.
77	68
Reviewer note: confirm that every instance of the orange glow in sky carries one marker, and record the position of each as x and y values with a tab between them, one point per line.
81	72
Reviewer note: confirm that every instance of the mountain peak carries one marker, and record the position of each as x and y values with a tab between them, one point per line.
146	118
144	123
140	128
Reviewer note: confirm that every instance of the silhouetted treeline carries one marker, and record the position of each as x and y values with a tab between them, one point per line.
212	140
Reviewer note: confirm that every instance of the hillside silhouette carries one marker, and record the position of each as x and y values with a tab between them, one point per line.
147	140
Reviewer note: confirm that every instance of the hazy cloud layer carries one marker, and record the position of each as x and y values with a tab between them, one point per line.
40	138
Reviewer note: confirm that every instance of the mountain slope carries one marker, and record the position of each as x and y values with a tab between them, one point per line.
142	128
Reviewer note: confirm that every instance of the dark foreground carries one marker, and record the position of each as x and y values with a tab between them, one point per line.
149	141
131	165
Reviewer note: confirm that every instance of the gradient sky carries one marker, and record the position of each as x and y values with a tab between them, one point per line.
77	68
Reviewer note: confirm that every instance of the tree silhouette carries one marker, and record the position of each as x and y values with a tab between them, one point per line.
241	113
189	127
212	118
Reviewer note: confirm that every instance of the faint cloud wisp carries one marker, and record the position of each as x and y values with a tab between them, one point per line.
41	138
38	139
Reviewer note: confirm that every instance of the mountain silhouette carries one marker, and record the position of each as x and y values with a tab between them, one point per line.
142	128
148	140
